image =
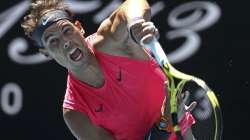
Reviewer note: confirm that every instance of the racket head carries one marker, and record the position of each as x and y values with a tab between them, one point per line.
207	113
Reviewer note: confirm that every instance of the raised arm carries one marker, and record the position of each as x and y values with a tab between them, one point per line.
116	25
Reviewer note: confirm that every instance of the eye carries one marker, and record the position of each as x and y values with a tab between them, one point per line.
53	42
67	30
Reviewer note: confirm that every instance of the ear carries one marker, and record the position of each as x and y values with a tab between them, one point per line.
79	26
44	52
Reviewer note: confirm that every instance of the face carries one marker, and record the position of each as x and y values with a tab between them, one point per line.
65	43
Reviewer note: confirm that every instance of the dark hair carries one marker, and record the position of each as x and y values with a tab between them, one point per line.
38	9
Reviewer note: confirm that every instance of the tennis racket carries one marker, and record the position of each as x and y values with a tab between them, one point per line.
207	113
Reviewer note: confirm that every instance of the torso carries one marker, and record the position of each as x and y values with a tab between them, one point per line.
129	107
119	106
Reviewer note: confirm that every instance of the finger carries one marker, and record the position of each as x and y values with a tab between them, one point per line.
148	24
136	24
191	106
148	27
146	32
147	38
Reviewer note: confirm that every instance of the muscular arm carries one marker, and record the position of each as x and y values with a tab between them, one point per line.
116	25
82	128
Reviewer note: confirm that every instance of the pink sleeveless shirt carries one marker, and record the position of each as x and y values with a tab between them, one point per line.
129	102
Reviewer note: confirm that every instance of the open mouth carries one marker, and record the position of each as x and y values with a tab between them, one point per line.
76	54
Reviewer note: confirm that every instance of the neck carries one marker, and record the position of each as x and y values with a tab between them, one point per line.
90	74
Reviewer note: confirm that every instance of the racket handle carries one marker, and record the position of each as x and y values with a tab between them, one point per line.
155	47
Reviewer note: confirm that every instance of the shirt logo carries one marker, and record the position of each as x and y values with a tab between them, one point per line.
119	76
100	108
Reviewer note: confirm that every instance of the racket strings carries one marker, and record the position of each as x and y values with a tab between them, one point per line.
174	77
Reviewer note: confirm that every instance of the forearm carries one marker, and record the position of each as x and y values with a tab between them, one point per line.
137	8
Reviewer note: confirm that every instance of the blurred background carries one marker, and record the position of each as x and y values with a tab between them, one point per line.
205	38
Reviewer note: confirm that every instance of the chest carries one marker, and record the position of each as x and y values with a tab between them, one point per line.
132	97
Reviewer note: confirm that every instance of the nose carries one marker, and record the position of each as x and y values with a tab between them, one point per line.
67	44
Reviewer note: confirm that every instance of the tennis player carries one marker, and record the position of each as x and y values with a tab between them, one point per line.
115	89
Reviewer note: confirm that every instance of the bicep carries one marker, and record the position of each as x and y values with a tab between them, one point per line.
82	127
